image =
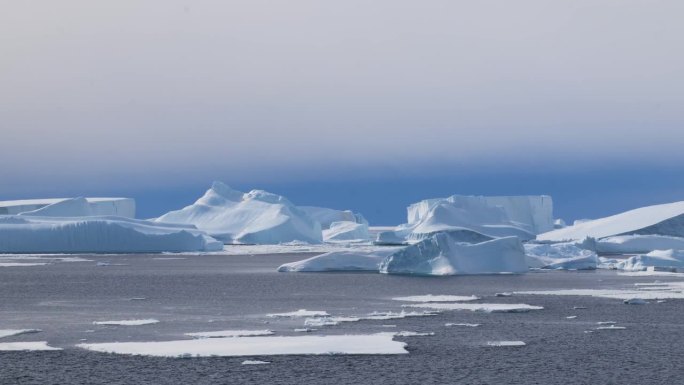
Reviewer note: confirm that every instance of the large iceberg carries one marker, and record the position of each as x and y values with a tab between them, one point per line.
637	244
353	260
346	231
665	219
122	207
442	255
92	234
560	256
326	217
660	259
257	217
475	218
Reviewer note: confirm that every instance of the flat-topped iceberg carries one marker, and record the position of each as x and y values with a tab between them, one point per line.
475	218
257	217
106	234
560	256
441	255
665	219
70	207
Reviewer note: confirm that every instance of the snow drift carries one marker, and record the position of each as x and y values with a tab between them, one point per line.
665	219
122	207
257	217
106	234
441	255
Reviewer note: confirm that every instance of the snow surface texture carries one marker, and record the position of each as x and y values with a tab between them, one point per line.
104	234
441	255
560	256
257	217
346	231
381	343
326	217
665	219
474	218
122	207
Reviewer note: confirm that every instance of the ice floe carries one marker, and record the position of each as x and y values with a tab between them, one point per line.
328	321
230	333
469	325
15	332
131	322
257	217
300	313
506	343
24	346
254	362
480	307
671	292
437	298
380	343
413	334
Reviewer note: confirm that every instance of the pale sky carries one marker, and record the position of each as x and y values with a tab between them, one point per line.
160	92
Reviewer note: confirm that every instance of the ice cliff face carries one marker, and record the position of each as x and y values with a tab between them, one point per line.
70	207
257	217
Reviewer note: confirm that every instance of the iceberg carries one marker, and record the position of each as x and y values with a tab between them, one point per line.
102	234
346	231
122	207
257	217
441	255
560	256
477	217
638	244
340	261
665	219
661	259
326	217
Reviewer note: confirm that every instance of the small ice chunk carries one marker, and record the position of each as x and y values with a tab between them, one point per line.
506	343
413	334
611	327
328	321
606	323
504	294
448	324
255	362
300	313
635	301
132	322
579	308
571	317
304	330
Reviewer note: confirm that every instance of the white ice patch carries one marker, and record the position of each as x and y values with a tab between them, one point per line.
15	332
437	298
23	346
674	292
480	307
22	264
300	313
413	334
381	343
506	343
611	327
329	321
394	315
230	333
132	322
254	362
449	324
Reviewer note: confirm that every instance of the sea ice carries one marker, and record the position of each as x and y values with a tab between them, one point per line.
381	343
16	332
413	334
21	346
437	298
301	313
230	333
257	217
480	307
440	255
254	362
506	343
132	322
448	324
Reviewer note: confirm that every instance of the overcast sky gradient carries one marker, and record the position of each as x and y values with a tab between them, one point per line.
366	105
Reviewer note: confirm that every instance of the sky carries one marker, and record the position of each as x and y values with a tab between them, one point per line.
349	104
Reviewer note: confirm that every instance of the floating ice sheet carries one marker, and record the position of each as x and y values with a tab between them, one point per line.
381	343
16	332
230	333
20	346
506	343
132	322
437	298
481	307
300	313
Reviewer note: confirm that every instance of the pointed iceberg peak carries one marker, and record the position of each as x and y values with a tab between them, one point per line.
267	197
224	190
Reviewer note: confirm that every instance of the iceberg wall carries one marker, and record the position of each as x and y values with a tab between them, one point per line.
122	207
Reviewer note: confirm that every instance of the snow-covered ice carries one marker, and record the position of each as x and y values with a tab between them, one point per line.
413	334
257	217
441	255
131	322
25	346
328	321
638	244
389	315
105	234
611	327
506	343
346	231
479	307
326	216
380	343
671	292
437	298
666	219
560	256
230	333
665	259
348	260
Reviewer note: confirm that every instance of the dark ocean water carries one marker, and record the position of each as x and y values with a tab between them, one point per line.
204	293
